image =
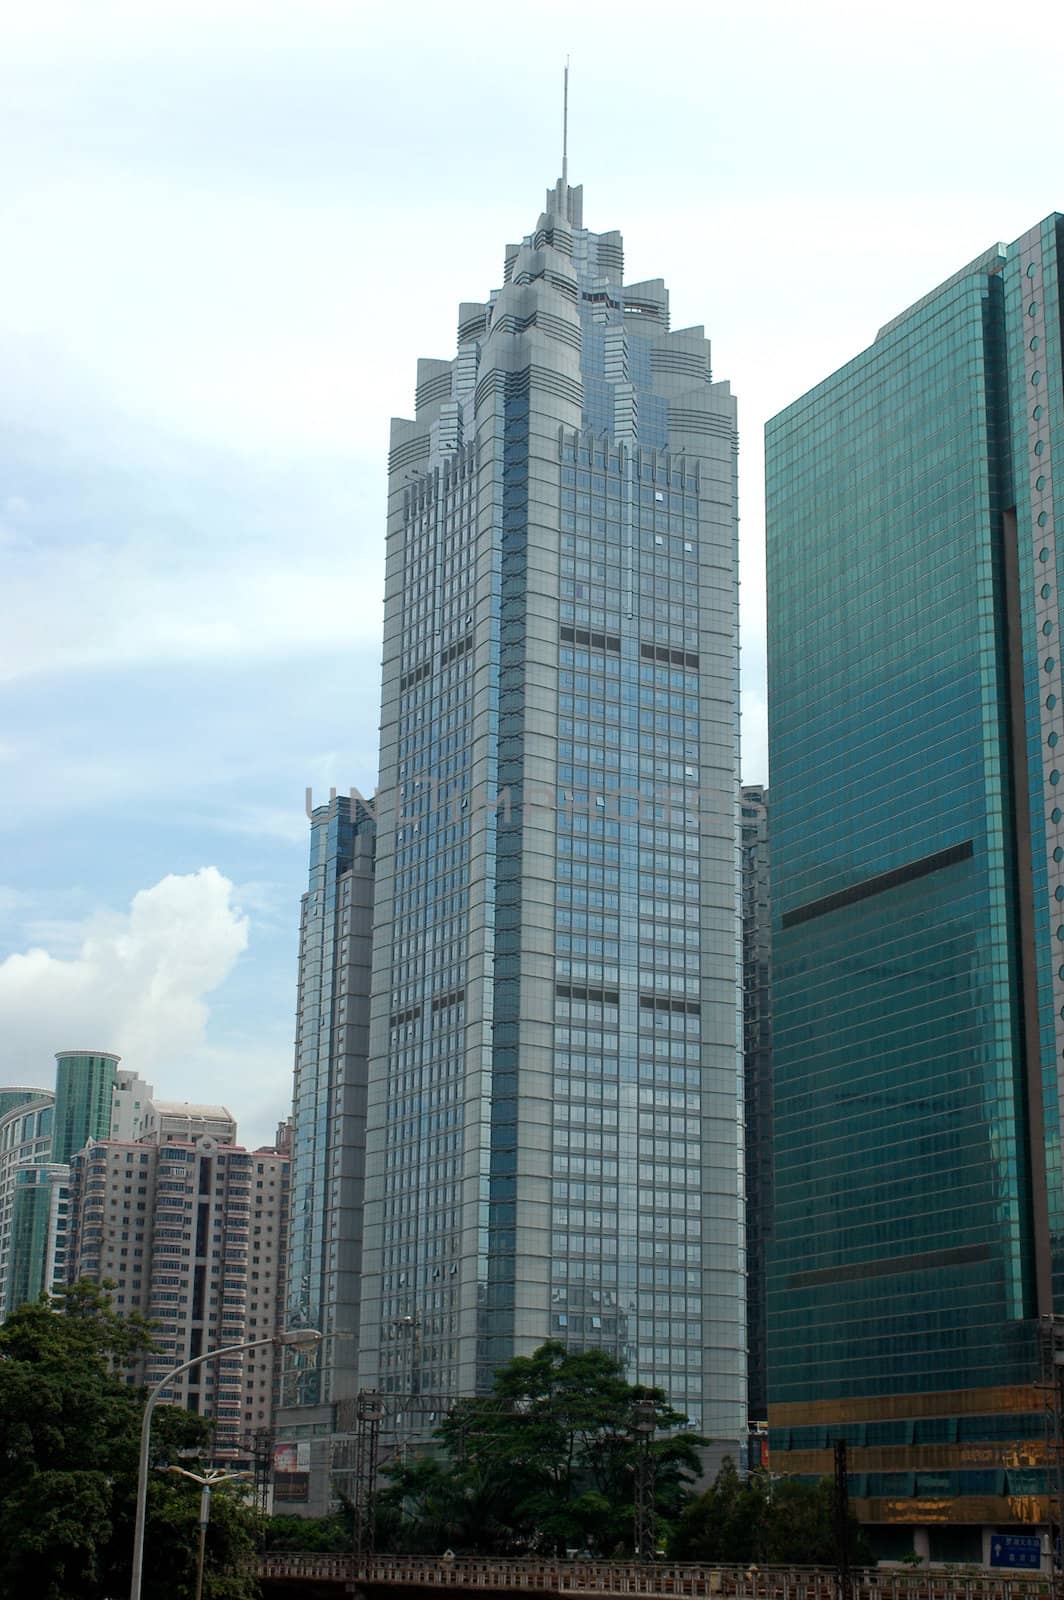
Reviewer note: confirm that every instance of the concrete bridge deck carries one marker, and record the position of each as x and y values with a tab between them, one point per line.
380	1577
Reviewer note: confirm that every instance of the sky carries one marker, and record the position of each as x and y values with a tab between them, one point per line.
230	230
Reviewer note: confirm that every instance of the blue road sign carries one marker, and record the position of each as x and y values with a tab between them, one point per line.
1016	1550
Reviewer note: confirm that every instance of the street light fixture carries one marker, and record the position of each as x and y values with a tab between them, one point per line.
292	1338
207	1483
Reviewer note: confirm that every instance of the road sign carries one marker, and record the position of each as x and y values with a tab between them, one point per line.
1016	1550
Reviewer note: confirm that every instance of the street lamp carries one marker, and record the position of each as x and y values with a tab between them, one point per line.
213	1476
295	1338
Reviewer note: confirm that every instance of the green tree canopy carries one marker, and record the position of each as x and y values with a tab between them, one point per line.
547	1462
764	1520
69	1442
332	1533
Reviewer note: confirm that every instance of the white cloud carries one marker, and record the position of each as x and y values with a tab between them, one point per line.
286	824
253	1080
265	897
137	984
99	606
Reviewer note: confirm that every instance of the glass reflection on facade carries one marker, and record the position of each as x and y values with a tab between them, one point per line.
328	1127
554	1115
757	1059
84	1083
26	1117
37	1245
918	886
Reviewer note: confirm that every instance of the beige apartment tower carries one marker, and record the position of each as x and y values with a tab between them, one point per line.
190	1228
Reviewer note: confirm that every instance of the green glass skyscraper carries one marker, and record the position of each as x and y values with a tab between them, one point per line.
918	890
84	1081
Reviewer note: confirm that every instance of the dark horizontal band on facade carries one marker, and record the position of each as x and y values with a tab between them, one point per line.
599	641
888	1266
415	675
455	650
661	652
578	991
399	1018
442	1001
654	1002
879	884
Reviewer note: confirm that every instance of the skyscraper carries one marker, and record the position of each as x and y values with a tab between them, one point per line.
84	1086
328	1127
757	1067
553	1145
916	714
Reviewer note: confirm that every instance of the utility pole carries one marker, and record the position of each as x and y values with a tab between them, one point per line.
369	1412
262	1447
842	1520
644	1422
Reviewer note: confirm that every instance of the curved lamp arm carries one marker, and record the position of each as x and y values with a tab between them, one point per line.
299	1338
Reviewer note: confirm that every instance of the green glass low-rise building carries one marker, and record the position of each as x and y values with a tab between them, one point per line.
917	762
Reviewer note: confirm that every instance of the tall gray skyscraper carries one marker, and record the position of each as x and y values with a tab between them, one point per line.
553	1144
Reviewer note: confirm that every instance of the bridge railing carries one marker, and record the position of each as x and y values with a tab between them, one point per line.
659	1578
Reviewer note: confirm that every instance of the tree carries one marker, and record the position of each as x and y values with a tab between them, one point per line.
332	1533
759	1519
547	1462
803	1525
234	1539
68	1428
724	1524
69	1442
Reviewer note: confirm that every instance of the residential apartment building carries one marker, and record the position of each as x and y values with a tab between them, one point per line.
131	1101
168	1220
270	1198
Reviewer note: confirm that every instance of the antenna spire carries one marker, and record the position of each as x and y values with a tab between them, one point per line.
565	125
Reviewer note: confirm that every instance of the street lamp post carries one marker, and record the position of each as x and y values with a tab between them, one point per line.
207	1484
300	1338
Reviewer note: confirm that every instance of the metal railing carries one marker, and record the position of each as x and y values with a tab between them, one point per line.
649	1578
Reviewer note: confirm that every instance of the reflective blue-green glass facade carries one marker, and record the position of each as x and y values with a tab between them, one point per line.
757	1066
84	1082
328	1113
37	1245
914	623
